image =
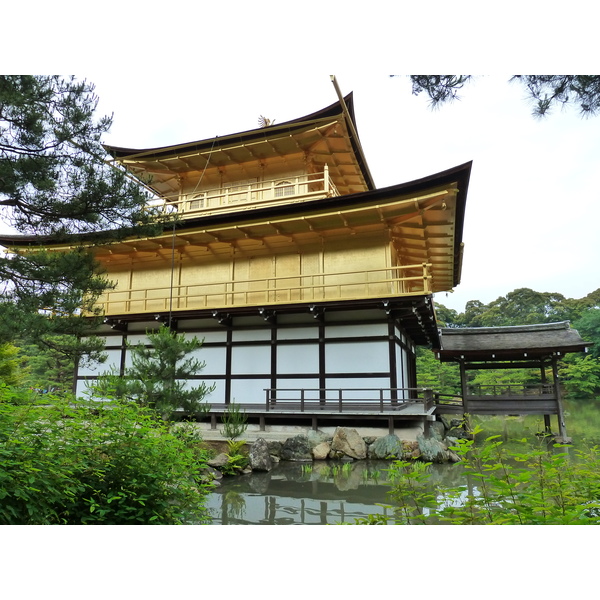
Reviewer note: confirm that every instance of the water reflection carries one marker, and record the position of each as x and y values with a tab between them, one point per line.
321	493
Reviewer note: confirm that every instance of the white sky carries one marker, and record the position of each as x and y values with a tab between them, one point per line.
533	202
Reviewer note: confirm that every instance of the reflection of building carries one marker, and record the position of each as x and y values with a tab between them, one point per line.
293	267
288	496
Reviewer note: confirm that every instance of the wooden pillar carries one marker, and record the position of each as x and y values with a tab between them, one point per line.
561	416
464	391
547	425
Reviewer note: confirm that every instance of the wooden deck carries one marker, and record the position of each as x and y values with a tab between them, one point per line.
331	411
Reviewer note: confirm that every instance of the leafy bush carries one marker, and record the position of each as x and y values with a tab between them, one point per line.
533	486
94	463
238	459
530	485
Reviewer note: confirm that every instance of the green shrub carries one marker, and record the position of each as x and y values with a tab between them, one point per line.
531	486
235	421
238	459
94	463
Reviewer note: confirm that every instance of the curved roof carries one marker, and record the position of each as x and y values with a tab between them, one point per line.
509	343
326	135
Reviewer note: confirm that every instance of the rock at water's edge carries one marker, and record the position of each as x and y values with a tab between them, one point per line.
388	446
297	448
260	458
349	442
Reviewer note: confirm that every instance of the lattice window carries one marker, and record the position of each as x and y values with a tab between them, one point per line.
284	188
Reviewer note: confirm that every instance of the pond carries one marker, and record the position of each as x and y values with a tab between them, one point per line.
331	492
319	493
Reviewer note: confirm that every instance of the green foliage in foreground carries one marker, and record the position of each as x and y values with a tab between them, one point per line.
106	463
532	486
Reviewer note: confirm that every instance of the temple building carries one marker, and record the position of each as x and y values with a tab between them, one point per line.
293	267
310	286
298	273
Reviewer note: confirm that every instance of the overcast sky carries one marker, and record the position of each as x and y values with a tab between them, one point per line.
534	199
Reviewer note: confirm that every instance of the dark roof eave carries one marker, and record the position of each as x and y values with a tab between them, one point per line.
496	343
458	174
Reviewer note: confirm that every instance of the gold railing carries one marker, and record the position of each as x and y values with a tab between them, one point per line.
285	189
404	280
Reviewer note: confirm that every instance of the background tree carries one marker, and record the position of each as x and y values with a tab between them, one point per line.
546	91
158	375
10	371
56	183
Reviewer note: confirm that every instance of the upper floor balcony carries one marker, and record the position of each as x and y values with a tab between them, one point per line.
391	282
242	195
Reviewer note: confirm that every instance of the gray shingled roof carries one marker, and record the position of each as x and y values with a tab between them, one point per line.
509	343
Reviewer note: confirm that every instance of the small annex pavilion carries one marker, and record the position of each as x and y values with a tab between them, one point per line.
523	347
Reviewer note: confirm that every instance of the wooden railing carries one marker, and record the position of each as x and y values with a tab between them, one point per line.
350	399
374	283
514	390
231	197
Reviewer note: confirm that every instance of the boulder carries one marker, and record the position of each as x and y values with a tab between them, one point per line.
218	461
388	446
458	432
260	458
453	457
321	451
437	430
275	448
210	473
432	450
410	450
349	442
317	437
297	448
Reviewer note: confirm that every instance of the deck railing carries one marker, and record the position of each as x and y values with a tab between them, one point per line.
350	399
512	390
403	280
232	197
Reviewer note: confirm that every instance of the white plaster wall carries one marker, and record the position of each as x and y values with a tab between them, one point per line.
361	330
244	391
298	333
214	357
250	335
357	357
298	358
357	384
251	360
81	389
311	387
208	336
113	360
